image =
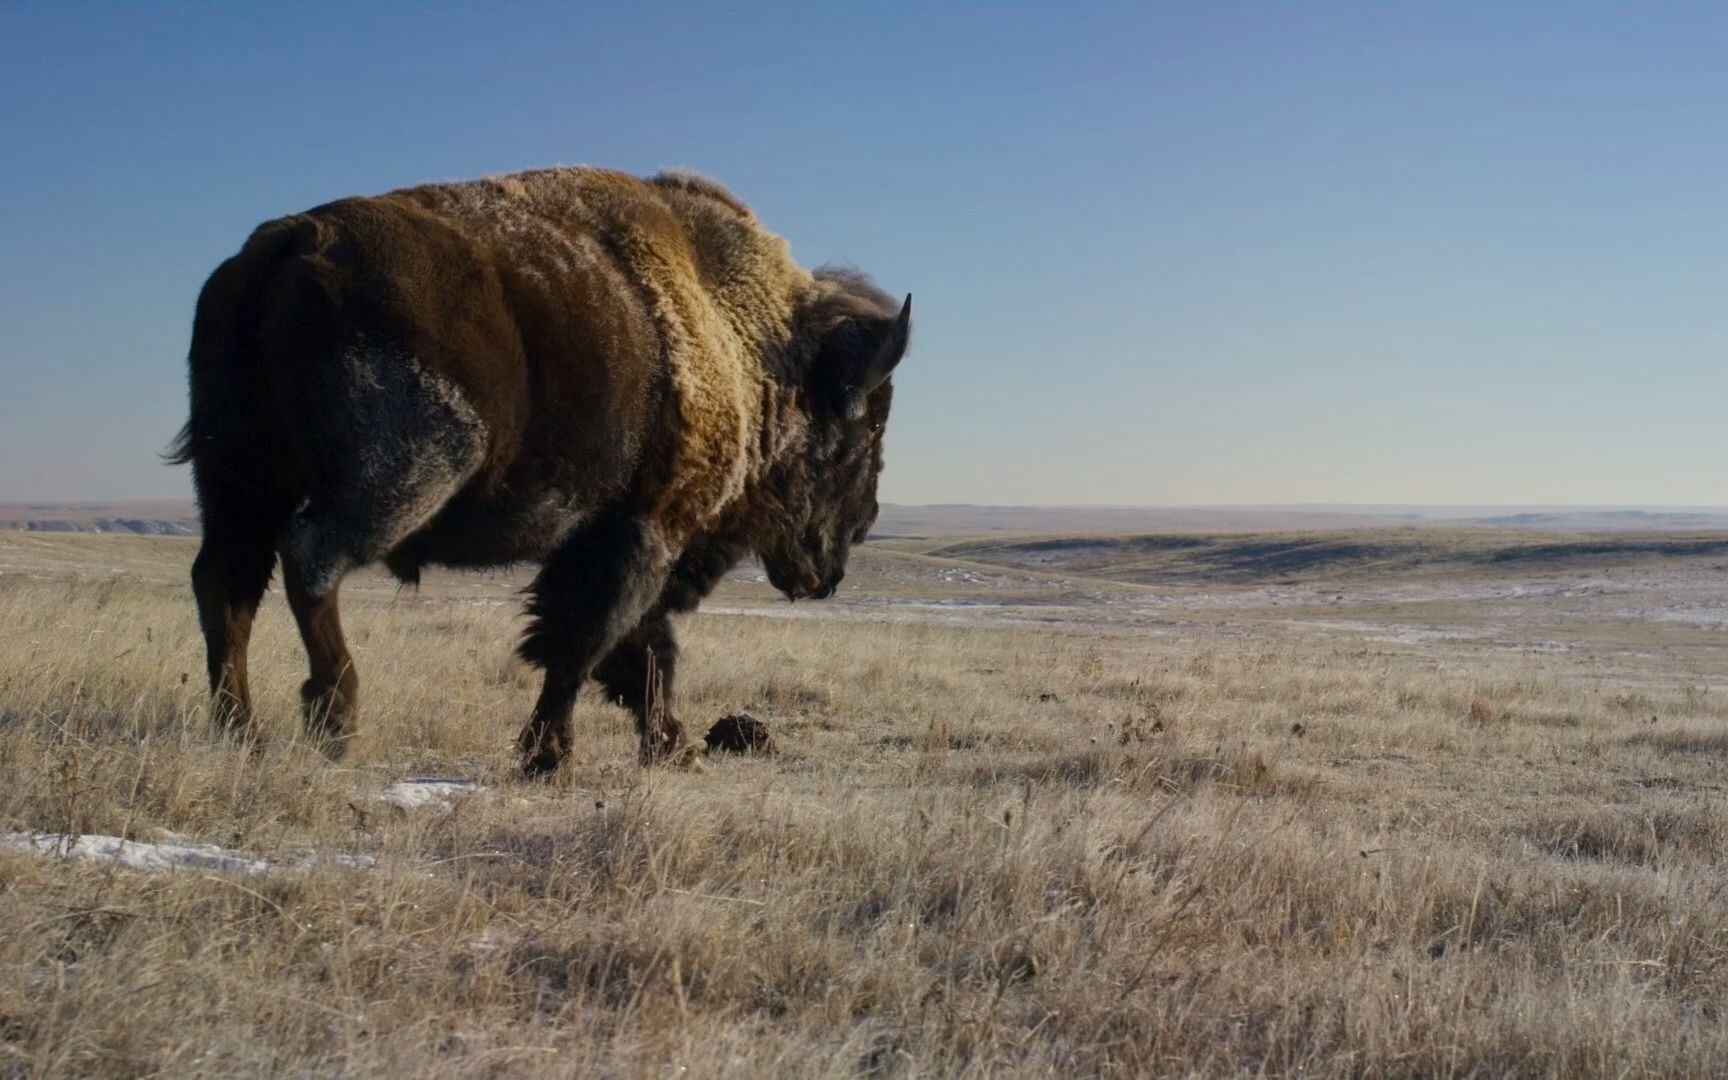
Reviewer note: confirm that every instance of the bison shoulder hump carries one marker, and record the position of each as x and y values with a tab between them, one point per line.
695	183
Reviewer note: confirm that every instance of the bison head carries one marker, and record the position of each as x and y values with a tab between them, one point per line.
822	496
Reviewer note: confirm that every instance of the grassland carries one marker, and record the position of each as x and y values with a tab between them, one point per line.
1406	805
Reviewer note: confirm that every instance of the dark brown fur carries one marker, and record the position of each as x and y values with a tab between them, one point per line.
629	382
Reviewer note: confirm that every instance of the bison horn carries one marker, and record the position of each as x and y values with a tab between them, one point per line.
888	352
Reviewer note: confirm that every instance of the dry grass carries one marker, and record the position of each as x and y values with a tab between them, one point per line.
984	850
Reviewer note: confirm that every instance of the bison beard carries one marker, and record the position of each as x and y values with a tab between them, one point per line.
627	381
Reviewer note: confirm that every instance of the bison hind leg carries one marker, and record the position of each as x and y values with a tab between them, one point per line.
399	443
229	577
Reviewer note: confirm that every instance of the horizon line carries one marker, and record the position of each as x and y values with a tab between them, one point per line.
1355	506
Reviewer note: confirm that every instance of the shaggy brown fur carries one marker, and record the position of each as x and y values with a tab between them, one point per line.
629	381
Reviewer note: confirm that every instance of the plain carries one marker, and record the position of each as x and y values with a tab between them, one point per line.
1359	802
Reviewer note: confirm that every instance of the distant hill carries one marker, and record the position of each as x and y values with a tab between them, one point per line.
965	520
178	517
166	517
1331	555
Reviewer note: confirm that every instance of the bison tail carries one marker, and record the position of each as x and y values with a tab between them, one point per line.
226	376
179	451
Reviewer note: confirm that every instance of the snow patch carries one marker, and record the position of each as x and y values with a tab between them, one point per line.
160	858
426	791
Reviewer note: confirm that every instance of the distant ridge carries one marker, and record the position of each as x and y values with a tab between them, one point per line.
1609	519
160	517
179	517
966	520
1318	555
135	526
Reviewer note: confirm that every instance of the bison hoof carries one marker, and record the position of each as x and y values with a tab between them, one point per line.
540	756
231	717
329	718
541	766
663	745
332	746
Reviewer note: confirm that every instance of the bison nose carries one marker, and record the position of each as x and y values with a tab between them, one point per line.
824	592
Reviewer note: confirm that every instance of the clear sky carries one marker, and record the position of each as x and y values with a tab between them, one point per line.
1162	253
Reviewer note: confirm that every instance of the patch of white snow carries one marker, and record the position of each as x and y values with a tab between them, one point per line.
135	854
425	791
142	855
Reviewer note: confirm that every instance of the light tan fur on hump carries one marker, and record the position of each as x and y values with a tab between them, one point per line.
721	289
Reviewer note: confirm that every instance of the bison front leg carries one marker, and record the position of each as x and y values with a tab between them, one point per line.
638	675
589	595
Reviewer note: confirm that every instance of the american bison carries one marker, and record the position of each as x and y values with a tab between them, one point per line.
627	381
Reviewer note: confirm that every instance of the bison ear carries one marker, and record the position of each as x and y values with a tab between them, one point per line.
860	354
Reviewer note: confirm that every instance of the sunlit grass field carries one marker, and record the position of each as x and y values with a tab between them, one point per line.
1227	843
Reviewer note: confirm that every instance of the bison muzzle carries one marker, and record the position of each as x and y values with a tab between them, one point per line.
629	382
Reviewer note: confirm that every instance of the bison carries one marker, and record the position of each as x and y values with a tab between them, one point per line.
627	381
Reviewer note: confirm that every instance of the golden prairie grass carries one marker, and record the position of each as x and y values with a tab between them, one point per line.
982	850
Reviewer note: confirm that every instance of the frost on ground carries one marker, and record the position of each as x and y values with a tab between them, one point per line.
425	791
163	857
135	854
177	853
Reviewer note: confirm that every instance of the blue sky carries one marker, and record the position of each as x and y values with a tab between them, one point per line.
1162	253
